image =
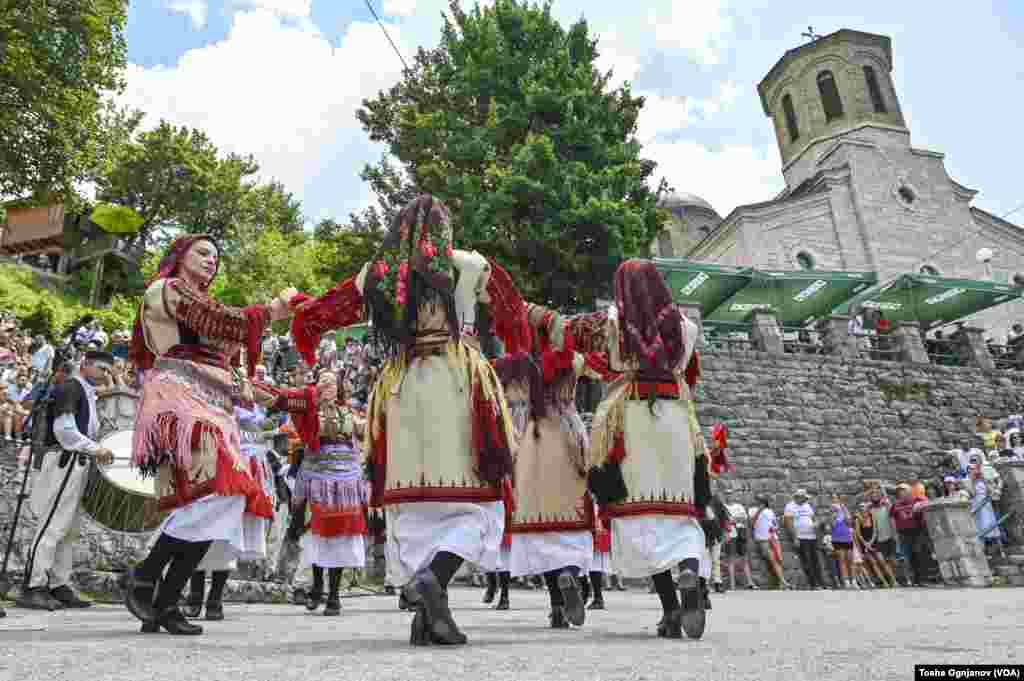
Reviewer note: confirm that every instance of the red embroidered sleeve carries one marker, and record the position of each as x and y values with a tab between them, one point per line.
589	332
210	319
301	405
340	307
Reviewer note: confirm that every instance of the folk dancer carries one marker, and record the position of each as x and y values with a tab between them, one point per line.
220	560
331	482
439	435
650	465
186	435
60	485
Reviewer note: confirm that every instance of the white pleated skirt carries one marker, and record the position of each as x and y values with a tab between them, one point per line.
534	553
417	531
646	545
343	551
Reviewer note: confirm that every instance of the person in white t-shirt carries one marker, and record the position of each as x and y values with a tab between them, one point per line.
763	521
799	519
736	544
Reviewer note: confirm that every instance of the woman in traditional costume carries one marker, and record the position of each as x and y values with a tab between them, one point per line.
331	482
221	559
439	435
650	463
186	435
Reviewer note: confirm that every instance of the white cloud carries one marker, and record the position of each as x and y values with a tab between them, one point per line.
726	177
195	9
701	29
287	8
275	89
399	8
661	115
612	54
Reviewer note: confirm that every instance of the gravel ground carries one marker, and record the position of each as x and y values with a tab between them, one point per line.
792	636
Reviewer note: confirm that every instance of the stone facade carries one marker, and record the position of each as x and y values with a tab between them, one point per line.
859	196
960	554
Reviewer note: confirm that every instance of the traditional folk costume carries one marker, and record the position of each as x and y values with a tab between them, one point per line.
186	435
553	515
600	565
439	435
222	559
58	490
331	482
650	464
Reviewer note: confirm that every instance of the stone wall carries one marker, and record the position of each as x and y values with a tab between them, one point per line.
816	422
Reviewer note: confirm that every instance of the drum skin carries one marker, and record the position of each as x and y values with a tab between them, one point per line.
117	497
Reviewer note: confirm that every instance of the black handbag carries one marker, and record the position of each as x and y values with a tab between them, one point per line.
607	484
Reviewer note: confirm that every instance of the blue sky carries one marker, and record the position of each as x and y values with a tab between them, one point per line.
282	79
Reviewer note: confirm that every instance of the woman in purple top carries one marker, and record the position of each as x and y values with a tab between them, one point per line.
842	539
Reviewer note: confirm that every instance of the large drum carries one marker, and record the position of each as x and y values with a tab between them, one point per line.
118	497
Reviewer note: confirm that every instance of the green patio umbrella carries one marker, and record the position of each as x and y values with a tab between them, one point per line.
933	301
795	297
699	283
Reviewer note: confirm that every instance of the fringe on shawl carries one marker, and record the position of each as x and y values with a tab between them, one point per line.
509	311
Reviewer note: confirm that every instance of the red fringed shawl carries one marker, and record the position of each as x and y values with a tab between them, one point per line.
598	363
509	311
719	460
340	307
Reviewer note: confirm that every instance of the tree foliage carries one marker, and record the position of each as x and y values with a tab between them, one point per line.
58	61
509	121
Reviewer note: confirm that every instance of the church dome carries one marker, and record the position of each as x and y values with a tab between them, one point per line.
674	200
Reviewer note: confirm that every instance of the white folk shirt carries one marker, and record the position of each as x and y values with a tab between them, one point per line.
803	519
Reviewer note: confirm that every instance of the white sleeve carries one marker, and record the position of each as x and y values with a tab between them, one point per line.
70	438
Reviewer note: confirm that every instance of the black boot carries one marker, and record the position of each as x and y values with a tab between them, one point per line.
175	623
572	602
557	618
333	607
427	595
194	604
299	597
693	597
492	587
584	582
503	578
671	625
215	599
139	583
596	579
317	594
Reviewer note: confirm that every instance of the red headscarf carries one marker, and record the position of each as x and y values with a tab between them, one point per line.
170	266
651	324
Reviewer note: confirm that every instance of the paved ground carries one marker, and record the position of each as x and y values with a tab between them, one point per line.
848	636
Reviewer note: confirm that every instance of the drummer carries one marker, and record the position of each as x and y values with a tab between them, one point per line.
60	485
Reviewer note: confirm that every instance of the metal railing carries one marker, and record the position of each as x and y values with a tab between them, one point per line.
728	337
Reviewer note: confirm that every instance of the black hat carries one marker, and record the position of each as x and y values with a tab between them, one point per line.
99	356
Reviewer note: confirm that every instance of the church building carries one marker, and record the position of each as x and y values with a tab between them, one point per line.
859	196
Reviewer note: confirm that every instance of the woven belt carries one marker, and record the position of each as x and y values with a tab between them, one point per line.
644	390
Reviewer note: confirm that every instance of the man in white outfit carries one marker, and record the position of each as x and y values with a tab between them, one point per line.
60	485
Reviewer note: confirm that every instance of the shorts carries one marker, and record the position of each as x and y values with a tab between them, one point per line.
843	545
887	548
737	547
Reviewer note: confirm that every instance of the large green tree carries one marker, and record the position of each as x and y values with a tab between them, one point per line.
59	59
510	122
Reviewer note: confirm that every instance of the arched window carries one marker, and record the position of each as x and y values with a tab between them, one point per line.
874	90
929	270
665	249
830	100
790	114
805	260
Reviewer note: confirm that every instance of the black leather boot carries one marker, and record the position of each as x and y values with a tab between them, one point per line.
573	608
426	594
196	586
138	595
671	625
584	588
333	607
693	597
215	599
492	587
504	579
175	623
316	596
557	618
